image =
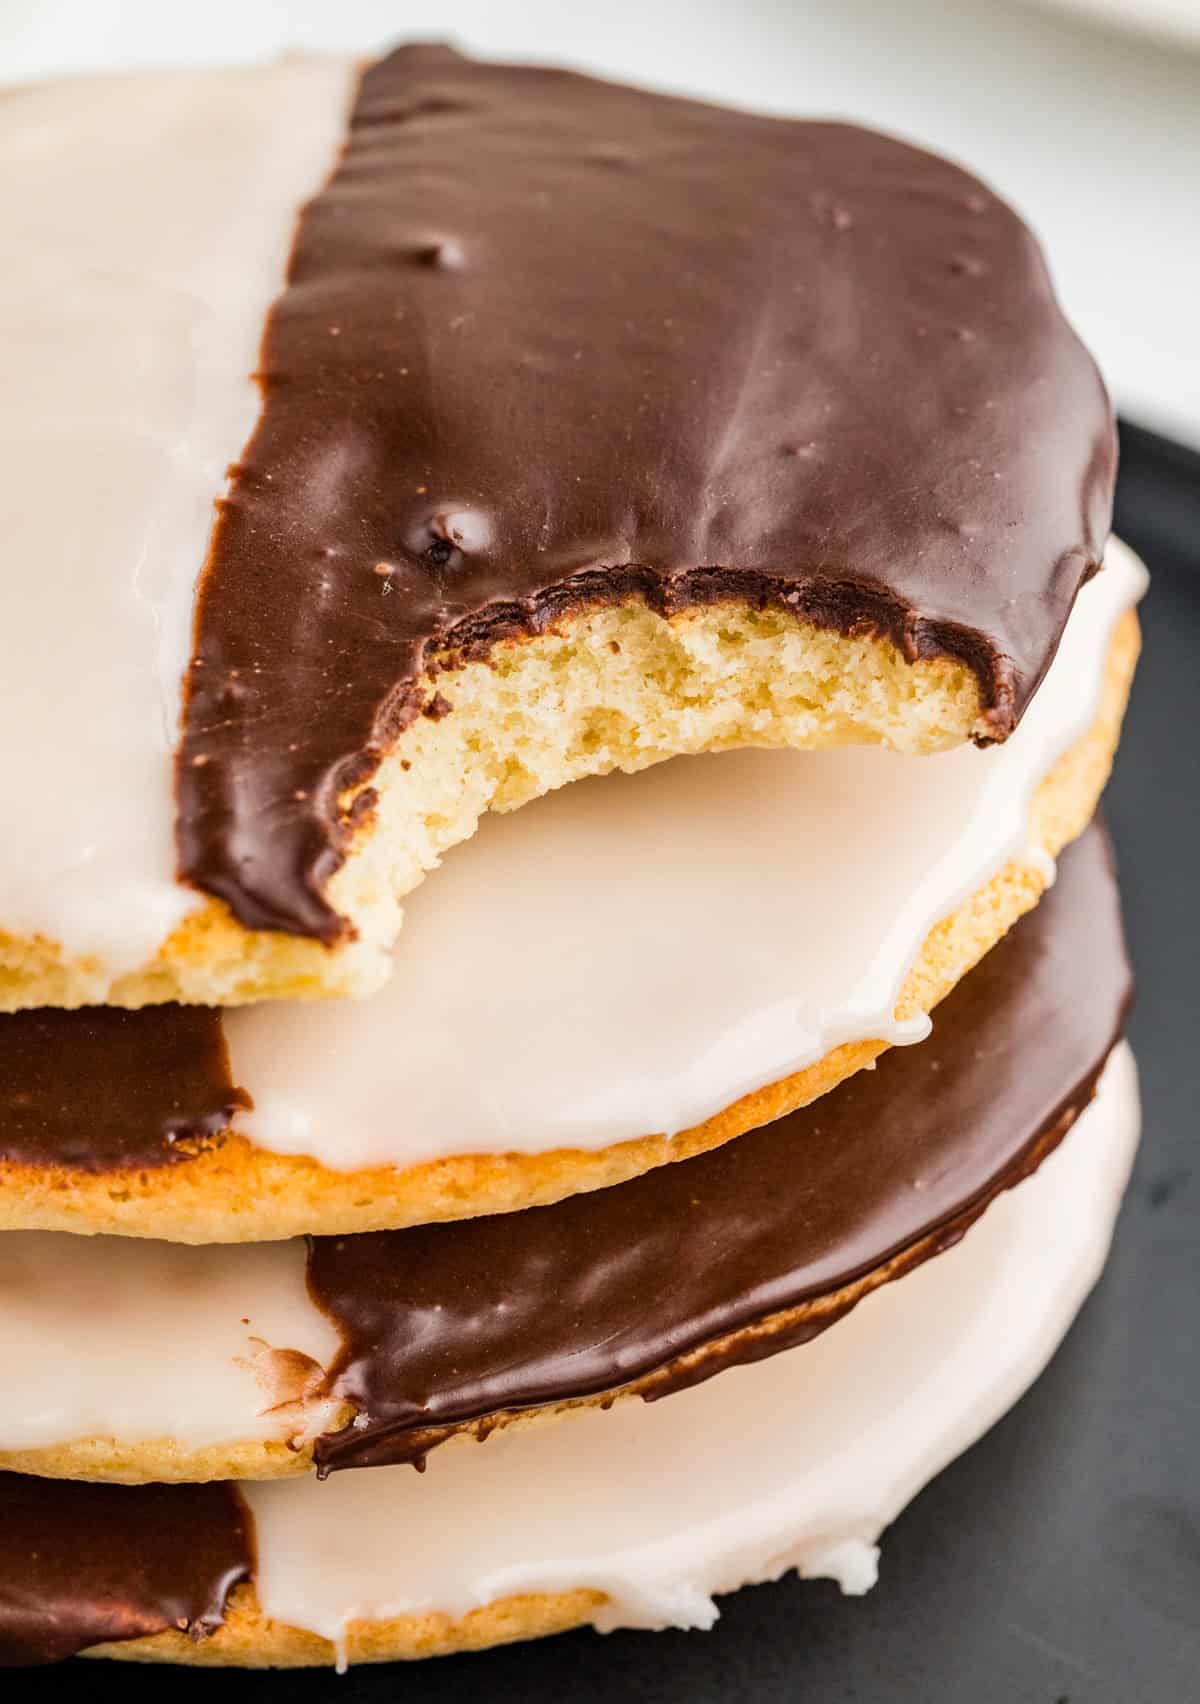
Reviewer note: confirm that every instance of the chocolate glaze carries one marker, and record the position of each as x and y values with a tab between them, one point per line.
548	342
670	1277
81	1564
101	1090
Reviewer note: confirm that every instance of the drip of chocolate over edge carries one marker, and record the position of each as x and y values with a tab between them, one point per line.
447	1325
81	1564
547	343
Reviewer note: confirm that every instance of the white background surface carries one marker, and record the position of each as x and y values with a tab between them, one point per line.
1094	134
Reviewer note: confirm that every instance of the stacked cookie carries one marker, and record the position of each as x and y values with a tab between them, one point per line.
591	428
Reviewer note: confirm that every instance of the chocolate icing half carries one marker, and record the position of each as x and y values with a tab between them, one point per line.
81	1564
101	1089
548	342
662	1281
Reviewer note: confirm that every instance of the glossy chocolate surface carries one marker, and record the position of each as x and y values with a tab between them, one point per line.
81	1564
447	1325
548	342
101	1089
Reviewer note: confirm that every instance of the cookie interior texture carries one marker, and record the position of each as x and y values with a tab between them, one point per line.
614	689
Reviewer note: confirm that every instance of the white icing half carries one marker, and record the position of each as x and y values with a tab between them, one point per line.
797	1462
634	954
144	228
114	1337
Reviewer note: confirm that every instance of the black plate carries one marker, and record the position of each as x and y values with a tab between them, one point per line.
1059	1561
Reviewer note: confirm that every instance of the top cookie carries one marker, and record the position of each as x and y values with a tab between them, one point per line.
593	426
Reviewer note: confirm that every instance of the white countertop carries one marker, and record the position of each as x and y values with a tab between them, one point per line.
1094	135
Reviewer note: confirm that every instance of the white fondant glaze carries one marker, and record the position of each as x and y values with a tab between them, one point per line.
796	1462
113	1337
552	991
144	228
